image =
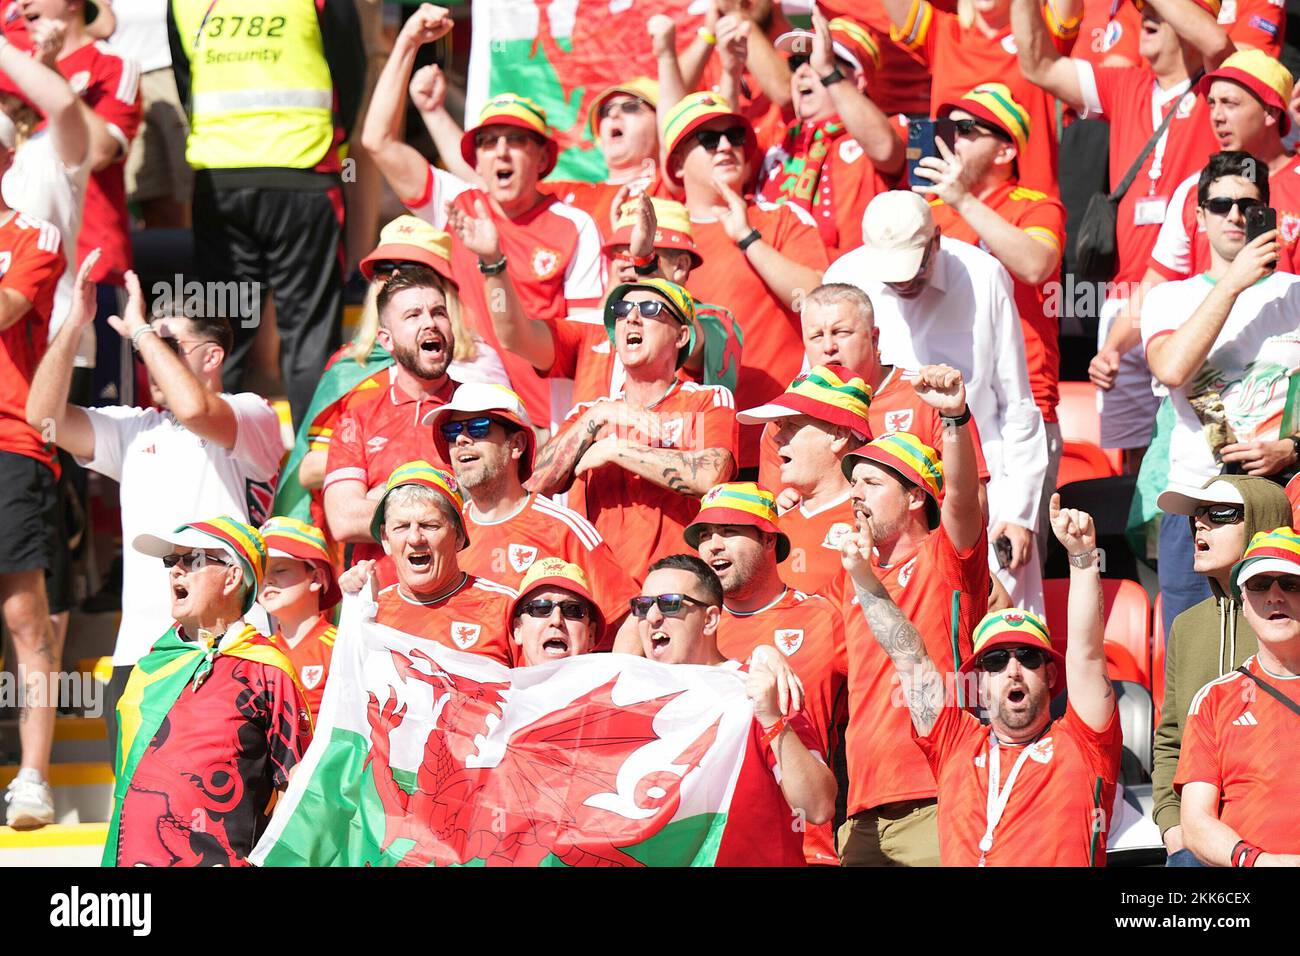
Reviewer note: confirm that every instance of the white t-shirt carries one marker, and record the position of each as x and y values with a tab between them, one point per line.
39	184
141	33
1249	365
169	476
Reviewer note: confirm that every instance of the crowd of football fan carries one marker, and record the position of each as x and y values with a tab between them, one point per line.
776	391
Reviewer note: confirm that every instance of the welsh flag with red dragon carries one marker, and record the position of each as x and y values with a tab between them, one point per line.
426	756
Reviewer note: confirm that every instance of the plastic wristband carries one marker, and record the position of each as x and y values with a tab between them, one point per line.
640	262
960	420
1245	854
774	731
749	239
140	333
710	38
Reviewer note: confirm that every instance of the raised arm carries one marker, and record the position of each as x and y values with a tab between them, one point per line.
788	279
672	85
53	98
48	410
1040	62
920	680
941	387
428	90
1195	25
381	135
768	67
1091	694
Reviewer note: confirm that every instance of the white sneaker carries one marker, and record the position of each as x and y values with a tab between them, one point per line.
31	805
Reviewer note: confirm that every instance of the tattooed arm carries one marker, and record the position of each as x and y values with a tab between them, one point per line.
1091	694
685	472
921	682
553	470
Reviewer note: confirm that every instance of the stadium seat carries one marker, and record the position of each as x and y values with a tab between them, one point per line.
1121	665
1158	659
1134	703
1080	420
1083	461
1127	620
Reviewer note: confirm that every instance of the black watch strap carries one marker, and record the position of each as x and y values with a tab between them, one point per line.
749	239
834	76
960	420
494	268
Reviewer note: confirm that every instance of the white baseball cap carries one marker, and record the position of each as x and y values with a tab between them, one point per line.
896	228
1185	499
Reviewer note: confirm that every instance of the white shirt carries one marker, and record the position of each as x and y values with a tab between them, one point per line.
169	477
966	317
141	33
1249	365
39	184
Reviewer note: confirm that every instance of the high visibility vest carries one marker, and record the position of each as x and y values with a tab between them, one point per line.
260	89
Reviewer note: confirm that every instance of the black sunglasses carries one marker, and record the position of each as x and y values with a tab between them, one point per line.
795	61
1288	582
571	610
1219	514
1222	205
669	604
649	308
996	660
192	561
476	427
627	107
970	127
710	138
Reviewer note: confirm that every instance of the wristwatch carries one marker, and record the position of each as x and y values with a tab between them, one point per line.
1084	559
747	240
957	422
834	76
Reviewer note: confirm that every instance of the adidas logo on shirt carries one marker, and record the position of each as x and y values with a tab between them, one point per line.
1245	720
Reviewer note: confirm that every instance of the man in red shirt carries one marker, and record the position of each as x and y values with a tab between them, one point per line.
644	457
758	259
1236	770
556	615
736	534
485	434
931	555
1248	97
819	419
31	261
550	250
1027	790
375	435
418	521
841	149
299	594
1179	37
977	198
1253	24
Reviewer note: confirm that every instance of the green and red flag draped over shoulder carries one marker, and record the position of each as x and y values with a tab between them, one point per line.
291	498
426	756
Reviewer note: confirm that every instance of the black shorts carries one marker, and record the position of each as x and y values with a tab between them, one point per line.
28	499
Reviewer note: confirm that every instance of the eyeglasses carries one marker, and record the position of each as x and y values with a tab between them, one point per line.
1289	583
970	127
571	610
996	661
628	107
1220	514
710	138
1222	205
476	427
192	560
649	308
669	604
175	345
514	139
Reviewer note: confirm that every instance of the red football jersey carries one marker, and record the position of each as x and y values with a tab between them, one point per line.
1052	815
1255	23
643	520
814	561
1043	218
1245	742
311	659
882	768
1102	36
773	349
31	261
810	632
474	618
504	551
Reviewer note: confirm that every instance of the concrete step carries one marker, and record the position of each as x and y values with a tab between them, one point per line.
76	740
83	792
76	844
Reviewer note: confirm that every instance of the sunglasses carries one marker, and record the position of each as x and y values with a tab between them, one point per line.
192	561
1288	582
627	107
571	610
795	61
669	604
476	427
1222	205
514	140
1219	514
175	345
649	309
996	661
710	138
970	127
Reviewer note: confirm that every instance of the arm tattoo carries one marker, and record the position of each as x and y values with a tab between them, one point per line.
921	682
568	446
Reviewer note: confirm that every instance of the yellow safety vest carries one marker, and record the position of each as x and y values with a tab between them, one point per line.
260	89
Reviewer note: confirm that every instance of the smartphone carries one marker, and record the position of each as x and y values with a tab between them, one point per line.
921	136
1002	548
1260	220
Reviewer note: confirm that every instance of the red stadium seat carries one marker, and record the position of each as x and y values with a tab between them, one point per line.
1158	659
1081	461
1080	420
1120	664
1127	619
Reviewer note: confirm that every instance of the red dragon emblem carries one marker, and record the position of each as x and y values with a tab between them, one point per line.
534	801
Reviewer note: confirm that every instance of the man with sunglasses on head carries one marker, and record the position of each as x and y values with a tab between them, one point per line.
642	459
736	533
1209	639
975	196
550	250
1026	790
677	617
1237	770
197	450
556	615
485	433
1223	343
